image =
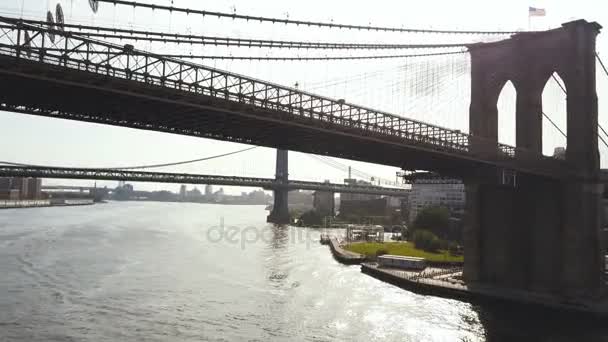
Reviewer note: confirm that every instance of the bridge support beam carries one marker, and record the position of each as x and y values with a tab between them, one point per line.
280	208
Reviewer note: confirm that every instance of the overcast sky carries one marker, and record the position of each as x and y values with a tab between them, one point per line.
377	83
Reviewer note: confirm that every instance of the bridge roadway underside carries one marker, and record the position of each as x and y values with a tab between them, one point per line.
52	91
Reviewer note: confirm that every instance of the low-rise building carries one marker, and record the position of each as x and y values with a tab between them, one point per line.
430	189
34	188
16	188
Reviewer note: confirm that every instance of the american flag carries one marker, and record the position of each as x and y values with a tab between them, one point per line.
536	12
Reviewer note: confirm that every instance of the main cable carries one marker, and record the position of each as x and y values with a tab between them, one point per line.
298	22
263	58
306	58
141	166
152	36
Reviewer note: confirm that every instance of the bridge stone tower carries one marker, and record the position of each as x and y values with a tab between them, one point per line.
541	235
280	209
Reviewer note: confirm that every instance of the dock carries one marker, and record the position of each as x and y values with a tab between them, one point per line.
448	283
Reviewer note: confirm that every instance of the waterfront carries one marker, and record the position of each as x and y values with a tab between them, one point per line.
145	271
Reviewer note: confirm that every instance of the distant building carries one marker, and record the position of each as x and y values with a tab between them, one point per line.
219	195
20	184
182	192
123	192
377	207
16	188
357	197
34	188
258	197
194	194
208	190
430	189
394	202
5	183
323	202
300	200
559	153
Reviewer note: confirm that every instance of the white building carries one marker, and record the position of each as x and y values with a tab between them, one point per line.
429	190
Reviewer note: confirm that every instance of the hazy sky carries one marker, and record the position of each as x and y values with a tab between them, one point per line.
375	83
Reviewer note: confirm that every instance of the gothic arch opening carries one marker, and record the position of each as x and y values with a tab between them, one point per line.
506	106
555	123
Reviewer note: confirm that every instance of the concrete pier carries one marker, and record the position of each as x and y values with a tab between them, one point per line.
447	284
280	208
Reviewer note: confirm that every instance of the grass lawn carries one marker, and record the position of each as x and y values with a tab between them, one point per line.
401	248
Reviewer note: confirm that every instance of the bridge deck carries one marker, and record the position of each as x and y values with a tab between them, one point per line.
81	79
187	178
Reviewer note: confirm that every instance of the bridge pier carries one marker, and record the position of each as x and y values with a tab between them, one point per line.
280	208
540	235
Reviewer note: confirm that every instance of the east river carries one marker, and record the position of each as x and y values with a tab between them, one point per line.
138	271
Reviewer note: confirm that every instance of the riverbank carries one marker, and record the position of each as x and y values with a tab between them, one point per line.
342	255
22	204
445	279
372	249
359	252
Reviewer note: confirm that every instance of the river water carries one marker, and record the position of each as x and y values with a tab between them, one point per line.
137	271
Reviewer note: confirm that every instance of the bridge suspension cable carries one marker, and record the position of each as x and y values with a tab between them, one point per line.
606	72
266	58
298	22
311	58
563	88
141	167
152	36
554	124
342	167
601	63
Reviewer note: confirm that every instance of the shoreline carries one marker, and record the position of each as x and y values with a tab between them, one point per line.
44	204
444	281
478	294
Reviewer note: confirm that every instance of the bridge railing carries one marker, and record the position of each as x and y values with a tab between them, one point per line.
53	46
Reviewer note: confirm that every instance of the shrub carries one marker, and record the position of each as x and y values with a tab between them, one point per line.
426	240
381	252
454	248
434	219
444	244
311	217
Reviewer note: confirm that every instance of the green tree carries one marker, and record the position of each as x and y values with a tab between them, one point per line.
426	240
310	218
434	219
